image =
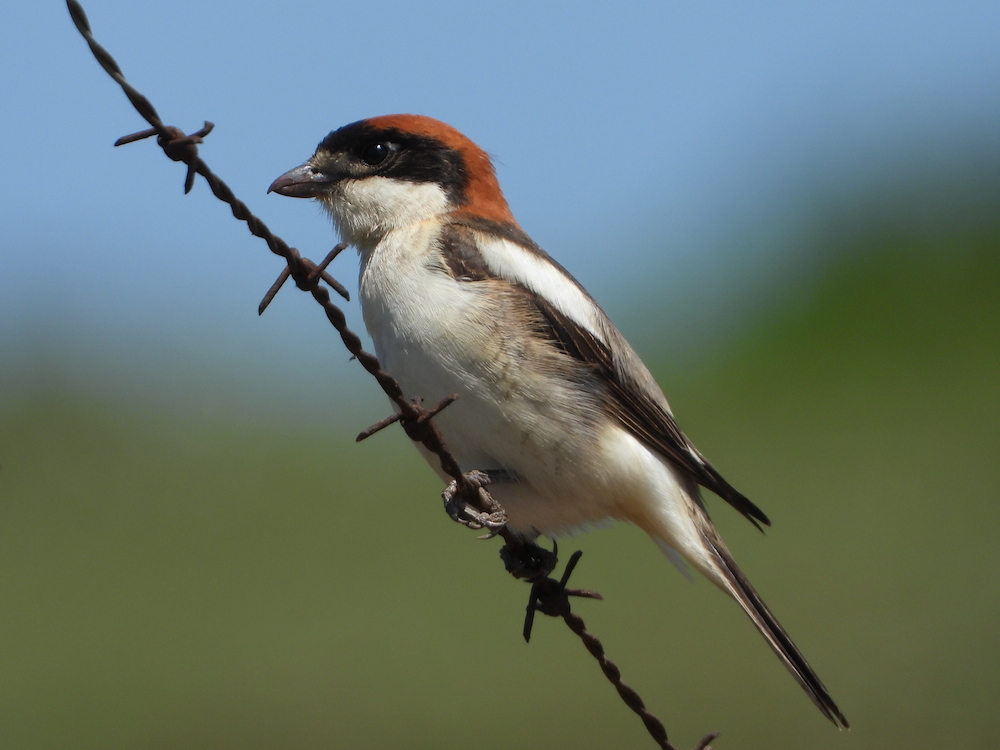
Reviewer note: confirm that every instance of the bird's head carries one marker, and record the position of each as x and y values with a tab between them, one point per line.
388	172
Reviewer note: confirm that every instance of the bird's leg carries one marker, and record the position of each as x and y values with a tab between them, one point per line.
459	509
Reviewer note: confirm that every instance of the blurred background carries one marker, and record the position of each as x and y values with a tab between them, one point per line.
790	209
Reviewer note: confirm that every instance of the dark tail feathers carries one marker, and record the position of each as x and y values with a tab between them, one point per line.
776	636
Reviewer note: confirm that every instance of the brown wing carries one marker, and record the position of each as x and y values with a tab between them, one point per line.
636	405
641	412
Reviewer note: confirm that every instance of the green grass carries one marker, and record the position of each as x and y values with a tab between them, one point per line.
167	582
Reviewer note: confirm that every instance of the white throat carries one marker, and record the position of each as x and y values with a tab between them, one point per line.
364	211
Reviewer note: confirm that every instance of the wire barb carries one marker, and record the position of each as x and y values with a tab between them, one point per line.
424	415
306	274
330	257
378	426
551	597
522	559
142	134
275	287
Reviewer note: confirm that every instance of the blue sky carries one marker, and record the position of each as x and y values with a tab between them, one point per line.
647	145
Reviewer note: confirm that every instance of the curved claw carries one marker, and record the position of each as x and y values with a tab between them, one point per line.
461	511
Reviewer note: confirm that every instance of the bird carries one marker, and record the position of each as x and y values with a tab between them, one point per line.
553	406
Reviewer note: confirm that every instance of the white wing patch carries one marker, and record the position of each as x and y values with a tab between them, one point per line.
515	263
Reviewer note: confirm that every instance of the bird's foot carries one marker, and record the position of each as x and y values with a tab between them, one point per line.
460	510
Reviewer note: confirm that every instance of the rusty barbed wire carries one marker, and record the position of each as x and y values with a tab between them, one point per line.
523	560
551	597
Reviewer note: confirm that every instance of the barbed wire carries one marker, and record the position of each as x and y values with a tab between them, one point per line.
467	499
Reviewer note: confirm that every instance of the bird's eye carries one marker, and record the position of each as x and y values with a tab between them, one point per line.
375	153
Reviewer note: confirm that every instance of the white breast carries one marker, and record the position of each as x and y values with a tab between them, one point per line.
437	336
418	317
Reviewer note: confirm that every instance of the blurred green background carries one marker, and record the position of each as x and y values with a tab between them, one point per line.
790	209
174	581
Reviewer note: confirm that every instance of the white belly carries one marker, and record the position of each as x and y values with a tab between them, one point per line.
437	336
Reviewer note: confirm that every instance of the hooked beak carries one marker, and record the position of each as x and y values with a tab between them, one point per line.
302	182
